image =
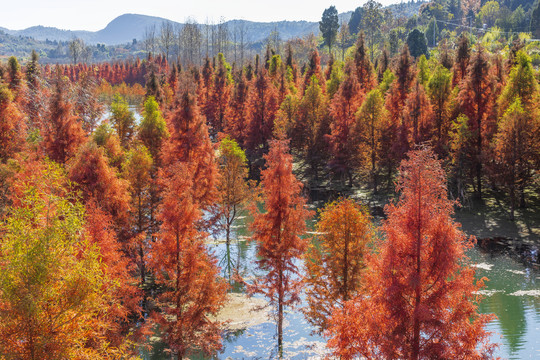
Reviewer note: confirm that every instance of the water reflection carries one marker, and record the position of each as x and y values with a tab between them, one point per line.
511	294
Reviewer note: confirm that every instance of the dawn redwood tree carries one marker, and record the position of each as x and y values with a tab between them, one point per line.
192	292
335	261
475	101
311	124
521	83
313	68
261	113
371	119
343	140
123	120
137	170
153	133
12	126
15	76
516	151
461	158
418	116
34	104
395	139
119	286
99	182
235	118
61	130
190	143
463	55
87	103
364	67
51	278
420	299
218	102
232	185
439	88
277	232
153	130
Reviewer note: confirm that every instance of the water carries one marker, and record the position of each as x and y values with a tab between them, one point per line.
512	294
133	108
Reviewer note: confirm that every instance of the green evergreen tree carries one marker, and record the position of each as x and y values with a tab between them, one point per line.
329	26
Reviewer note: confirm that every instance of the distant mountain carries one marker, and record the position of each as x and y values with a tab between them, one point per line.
127	27
42	33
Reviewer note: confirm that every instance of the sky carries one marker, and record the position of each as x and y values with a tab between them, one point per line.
94	15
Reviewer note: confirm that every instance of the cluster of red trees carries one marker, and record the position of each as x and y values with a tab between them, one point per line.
134	202
129	72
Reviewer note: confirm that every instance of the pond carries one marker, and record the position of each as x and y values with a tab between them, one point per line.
133	108
512	294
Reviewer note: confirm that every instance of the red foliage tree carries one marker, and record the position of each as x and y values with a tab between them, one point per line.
262	109
99	182
476	101
395	135
277	233
236	122
420	300
218	101
418	116
313	69
124	296
189	143
194	293
364	67
62	131
343	140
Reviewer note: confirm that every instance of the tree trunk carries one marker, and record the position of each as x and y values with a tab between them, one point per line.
416	321
280	315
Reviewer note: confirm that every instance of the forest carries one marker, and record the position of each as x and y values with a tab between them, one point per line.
347	161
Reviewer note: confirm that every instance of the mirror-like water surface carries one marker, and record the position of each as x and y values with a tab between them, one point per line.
512	294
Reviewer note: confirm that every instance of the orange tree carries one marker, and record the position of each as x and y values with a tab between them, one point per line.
335	262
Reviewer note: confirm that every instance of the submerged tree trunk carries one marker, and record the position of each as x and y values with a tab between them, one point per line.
280	315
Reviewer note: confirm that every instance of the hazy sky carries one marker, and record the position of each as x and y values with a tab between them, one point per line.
96	14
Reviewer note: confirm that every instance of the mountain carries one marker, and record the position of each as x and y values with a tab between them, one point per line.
127	27
123	29
42	33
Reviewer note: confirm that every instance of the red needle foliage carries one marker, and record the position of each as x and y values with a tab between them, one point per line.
62	131
193	293
262	108
421	301
120	286
277	233
100	182
475	101
343	140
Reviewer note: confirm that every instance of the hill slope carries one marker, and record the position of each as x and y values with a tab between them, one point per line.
127	27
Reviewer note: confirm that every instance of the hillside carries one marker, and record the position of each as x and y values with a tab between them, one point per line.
127	27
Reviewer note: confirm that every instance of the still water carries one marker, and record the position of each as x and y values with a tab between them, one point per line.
512	294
